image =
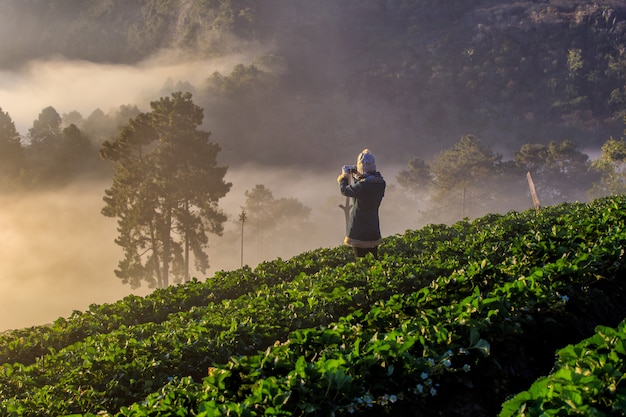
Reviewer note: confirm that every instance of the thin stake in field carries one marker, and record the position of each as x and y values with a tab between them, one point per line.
347	207
533	192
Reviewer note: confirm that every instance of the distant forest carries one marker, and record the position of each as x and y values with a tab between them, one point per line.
407	78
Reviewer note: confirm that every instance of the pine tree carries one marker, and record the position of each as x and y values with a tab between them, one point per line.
165	192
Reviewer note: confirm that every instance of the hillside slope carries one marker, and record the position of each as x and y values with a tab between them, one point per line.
452	320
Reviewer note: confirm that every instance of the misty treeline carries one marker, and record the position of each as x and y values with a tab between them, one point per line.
469	179
56	151
416	74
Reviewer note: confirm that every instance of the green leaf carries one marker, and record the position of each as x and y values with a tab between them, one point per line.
483	347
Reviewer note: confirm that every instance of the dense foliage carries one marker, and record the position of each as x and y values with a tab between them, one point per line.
587	380
165	192
452	319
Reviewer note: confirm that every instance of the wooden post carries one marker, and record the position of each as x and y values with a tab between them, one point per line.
347	207
346	211
533	192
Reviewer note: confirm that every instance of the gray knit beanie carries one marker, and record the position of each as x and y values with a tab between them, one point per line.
365	162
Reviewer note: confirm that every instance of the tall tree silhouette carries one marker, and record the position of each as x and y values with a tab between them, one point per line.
165	192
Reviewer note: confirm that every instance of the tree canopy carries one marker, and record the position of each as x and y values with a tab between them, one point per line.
560	171
612	168
275	220
460	173
165	192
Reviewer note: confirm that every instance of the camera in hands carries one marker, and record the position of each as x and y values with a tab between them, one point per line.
349	169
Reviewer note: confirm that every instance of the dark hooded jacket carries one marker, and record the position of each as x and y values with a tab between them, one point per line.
363	225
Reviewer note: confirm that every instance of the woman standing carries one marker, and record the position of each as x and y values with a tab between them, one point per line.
368	190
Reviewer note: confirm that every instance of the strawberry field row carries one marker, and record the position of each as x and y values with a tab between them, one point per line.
407	352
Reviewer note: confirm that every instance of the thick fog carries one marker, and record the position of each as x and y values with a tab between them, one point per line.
86	86
57	255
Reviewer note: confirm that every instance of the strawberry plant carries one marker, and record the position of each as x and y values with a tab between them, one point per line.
588	380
